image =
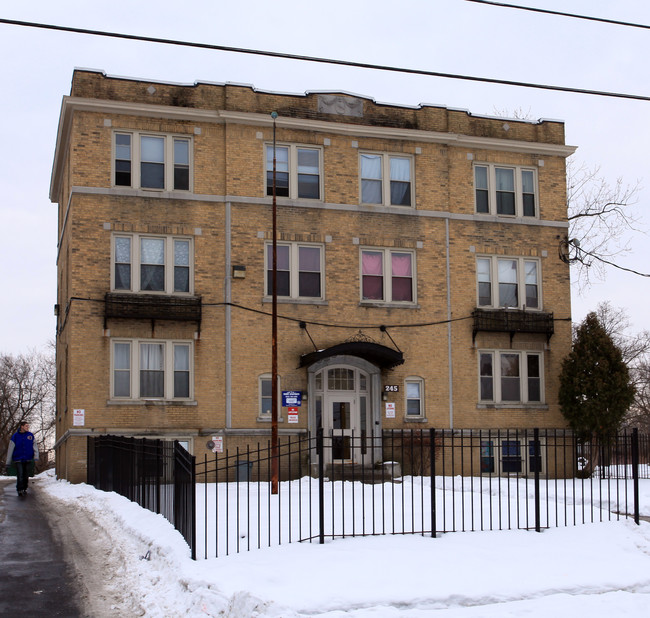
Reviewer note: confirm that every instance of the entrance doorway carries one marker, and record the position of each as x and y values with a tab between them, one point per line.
344	428
341	395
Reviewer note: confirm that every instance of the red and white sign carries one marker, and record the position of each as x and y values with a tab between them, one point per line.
292	415
218	444
78	417
390	409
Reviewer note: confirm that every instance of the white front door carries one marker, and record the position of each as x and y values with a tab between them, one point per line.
343	419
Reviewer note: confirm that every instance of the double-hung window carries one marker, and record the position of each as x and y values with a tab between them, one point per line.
505	191
299	270
387	275
510	377
297	172
414	397
517	282
386	179
151	369
151	161
143	263
265	397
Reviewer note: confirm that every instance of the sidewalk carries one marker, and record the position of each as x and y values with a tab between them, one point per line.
34	578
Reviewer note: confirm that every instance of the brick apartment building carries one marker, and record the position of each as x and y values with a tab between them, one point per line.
419	281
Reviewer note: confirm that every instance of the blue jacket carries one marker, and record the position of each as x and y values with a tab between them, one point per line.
22	447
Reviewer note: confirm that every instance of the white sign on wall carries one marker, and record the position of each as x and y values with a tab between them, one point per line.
218	444
390	409
78	417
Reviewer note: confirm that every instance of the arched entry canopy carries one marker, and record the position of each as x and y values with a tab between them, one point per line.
375	353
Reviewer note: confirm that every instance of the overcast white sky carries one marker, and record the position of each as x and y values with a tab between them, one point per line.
451	36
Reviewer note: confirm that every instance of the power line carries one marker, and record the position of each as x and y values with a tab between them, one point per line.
321	60
300	320
561	13
600	259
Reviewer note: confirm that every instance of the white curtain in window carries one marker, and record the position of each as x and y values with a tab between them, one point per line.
152	149
508	283
371	179
152	251
181	253
400	169
151	357
152	373
505	179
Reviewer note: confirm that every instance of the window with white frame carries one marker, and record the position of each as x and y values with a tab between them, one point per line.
297	171
299	270
265	393
143	263
151	369
512	454
152	161
414	397
517	282
510	377
386	179
505	191
387	275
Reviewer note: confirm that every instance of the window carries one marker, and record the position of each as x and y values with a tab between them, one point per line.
145	161
512	454
387	275
266	396
414	397
152	264
151	369
510	377
487	457
297	172
505	191
517	282
299	270
377	167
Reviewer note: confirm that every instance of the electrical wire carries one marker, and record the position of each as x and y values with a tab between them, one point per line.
561	13
381	327
317	59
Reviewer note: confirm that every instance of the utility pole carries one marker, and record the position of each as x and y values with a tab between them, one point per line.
275	464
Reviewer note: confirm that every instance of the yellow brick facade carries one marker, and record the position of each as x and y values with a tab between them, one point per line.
226	217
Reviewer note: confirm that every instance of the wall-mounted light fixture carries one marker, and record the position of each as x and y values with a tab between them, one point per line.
238	271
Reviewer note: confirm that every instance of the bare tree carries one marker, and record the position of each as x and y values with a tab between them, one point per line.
601	217
27	394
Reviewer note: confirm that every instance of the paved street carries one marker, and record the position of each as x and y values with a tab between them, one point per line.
34	578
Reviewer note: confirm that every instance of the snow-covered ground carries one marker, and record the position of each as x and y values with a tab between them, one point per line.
600	569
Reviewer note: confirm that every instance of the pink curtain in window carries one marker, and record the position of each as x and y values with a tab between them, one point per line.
372	271
401	264
402	277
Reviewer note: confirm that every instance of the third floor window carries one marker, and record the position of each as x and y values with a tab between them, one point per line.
505	191
152	161
297	172
386	179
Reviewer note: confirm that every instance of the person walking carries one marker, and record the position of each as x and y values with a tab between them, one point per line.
22	452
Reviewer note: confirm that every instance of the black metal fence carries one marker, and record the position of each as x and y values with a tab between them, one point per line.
403	482
159	475
414	482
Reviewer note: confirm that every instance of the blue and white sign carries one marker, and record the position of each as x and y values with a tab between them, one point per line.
291	398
